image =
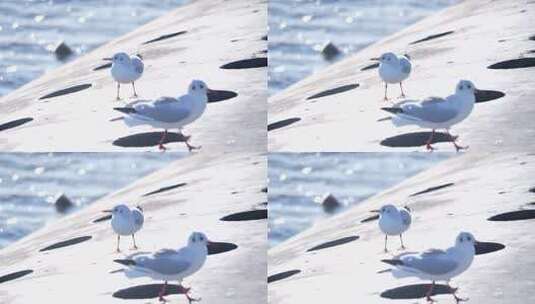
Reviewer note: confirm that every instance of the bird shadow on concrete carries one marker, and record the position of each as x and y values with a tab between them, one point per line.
148	139
220	95
66	243
148	291
15	123
282	275
15	275
220	247
337	242
415	139
416	291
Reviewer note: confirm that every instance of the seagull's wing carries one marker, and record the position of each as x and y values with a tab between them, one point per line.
405	217
164	109
137	63
167	262
435	262
406	65
139	219
433	109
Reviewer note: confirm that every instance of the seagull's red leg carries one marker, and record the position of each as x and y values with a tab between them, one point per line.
118	88
162	141
401	239
454	293
186	141
134	240
430	293
386	241
162	293
401	87
386	88
430	141
185	291
454	141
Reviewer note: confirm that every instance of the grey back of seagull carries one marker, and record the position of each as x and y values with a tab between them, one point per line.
165	264
434	262
139	219
405	217
432	109
164	109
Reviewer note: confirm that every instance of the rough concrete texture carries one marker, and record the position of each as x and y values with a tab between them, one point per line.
81	272
458	43
484	185
191	42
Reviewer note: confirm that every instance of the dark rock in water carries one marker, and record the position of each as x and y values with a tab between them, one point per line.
330	51
330	204
63	204
62	51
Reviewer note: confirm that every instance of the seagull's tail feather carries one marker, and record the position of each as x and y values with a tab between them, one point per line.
384	271
133	120
126	110
125	262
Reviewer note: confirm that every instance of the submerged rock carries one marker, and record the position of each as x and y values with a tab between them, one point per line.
330	204
330	51
63	204
62	51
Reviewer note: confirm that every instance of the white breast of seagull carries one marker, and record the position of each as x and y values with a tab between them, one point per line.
128	71
169	264
395	72
391	223
123	223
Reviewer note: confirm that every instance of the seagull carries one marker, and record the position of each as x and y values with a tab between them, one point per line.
170	264
394	69
437	264
436	112
170	112
126	221
126	69
394	221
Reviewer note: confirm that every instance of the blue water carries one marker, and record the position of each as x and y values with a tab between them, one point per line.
299	182
30	29
299	28
30	183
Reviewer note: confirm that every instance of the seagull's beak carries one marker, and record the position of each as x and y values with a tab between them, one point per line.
107	59
407	207
107	211
375	58
375	211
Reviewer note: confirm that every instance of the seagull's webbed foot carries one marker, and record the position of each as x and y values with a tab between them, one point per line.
186	291
459	148
161	147
454	293
429	147
190	146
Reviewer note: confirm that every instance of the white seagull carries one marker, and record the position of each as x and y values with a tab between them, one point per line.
436	112
394	221
169	112
394	69
170	264
436	264
126	69
126	221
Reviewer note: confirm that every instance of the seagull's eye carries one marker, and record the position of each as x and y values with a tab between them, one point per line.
469	86
201	86
201	238
468	238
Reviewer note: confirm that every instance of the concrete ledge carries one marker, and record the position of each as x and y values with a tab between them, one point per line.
460	42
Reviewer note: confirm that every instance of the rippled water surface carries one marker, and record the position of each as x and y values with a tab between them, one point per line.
299	182
30	30
298	30
30	184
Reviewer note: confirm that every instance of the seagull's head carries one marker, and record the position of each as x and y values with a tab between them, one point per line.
198	239
465	240
198	87
388	58
465	87
120	58
386	210
119	210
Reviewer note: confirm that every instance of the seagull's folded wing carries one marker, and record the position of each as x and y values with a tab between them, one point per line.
405	65
137	64
138	218
405	217
165	109
433	109
167	264
434	262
